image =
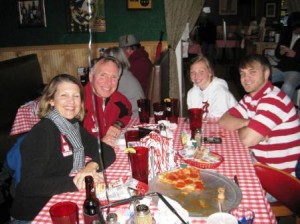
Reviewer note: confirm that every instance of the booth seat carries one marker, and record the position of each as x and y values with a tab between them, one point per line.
20	81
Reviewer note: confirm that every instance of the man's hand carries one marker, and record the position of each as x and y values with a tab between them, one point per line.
111	136
283	50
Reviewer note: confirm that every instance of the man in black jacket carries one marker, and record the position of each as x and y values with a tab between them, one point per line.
288	51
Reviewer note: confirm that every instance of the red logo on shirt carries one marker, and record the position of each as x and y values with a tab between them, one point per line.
66	150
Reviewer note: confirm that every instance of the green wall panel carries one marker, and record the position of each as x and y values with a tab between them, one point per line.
145	24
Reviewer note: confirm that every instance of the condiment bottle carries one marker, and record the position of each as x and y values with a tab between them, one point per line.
142	215
112	218
198	138
91	202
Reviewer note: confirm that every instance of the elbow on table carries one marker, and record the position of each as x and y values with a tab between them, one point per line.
221	123
248	141
226	125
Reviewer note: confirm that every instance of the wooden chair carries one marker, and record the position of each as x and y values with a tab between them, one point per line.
284	187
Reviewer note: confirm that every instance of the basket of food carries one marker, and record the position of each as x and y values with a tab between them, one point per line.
204	158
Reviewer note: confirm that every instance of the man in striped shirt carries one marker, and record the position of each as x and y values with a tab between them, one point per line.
265	118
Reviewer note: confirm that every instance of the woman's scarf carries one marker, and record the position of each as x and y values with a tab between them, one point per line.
71	131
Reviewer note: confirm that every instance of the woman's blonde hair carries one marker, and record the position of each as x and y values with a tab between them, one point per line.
50	90
201	58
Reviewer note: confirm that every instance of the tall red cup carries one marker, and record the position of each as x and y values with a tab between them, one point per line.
195	117
159	112
172	110
144	110
64	213
139	163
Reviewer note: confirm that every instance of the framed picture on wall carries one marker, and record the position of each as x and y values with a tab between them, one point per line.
139	4
81	14
31	13
228	7
271	9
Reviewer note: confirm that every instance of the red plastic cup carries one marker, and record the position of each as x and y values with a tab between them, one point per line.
144	110
132	137
64	213
195	117
172	110
139	164
159	112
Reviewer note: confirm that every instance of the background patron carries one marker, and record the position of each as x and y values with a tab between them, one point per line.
128	84
288	52
140	64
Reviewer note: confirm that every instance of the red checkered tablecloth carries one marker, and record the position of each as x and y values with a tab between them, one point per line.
26	118
237	161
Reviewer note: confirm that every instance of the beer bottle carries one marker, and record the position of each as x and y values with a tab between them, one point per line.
91	202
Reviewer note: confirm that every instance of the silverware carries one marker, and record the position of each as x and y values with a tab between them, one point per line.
236	181
152	160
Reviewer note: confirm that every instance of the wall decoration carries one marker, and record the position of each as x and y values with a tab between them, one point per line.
86	14
139	4
271	9
228	7
31	13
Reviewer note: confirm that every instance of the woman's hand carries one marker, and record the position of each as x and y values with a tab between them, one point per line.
89	170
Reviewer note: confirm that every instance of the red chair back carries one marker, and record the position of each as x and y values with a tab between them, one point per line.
283	186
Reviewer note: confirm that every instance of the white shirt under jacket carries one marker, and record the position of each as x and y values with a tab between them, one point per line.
217	95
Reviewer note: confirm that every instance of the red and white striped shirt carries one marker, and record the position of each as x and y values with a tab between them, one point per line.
273	115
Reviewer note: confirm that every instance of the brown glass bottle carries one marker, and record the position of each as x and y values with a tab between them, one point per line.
91	202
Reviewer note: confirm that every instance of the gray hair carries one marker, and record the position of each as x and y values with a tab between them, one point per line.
104	59
119	54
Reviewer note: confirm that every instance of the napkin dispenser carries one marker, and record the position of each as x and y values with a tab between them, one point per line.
161	153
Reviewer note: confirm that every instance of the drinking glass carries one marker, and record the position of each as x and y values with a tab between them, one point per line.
144	110
139	163
132	137
172	110
195	117
64	213
159	112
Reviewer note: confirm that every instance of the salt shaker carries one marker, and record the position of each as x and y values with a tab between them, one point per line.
142	215
198	138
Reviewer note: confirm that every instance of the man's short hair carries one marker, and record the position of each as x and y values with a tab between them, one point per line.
249	59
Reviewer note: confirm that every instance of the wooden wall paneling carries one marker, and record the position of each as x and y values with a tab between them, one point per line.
57	59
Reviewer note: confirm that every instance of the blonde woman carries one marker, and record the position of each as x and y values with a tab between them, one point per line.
209	92
53	152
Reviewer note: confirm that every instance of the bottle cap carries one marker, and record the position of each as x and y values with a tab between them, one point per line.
142	210
111	218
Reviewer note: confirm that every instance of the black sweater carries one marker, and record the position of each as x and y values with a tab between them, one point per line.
45	171
287	63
